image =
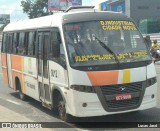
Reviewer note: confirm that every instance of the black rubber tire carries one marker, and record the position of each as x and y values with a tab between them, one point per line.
61	107
21	95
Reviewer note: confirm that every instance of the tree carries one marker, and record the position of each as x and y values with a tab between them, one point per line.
35	8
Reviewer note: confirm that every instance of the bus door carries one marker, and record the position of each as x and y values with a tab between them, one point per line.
9	50
43	74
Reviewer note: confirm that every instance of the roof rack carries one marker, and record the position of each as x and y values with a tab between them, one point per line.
78	8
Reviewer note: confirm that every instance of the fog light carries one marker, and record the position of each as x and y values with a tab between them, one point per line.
84	104
152	96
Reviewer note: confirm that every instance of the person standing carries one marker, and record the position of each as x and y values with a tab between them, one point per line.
155	44
148	41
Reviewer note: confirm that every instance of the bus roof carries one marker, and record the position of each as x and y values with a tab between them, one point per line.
40	22
58	19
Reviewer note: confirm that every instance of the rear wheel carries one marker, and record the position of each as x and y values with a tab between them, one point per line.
62	110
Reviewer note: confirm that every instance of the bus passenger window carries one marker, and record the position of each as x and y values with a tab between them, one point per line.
31	43
21	43
55	45
26	43
4	46
10	44
15	43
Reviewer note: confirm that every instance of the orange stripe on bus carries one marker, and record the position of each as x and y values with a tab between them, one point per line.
16	62
103	78
4	59
5	76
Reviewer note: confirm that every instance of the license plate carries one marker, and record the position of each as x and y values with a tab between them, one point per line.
120	97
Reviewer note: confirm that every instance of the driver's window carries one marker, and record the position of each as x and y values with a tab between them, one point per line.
55	44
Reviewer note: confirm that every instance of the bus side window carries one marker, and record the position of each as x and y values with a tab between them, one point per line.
7	43
4	46
55	45
31	43
10	43
21	43
34	43
25	48
15	43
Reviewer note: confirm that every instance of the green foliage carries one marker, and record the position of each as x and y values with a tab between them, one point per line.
35	8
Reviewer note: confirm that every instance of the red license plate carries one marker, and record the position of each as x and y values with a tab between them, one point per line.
120	97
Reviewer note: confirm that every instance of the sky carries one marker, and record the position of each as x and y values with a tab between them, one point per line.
13	7
92	2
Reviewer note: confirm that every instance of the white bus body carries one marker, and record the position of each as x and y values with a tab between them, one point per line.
93	84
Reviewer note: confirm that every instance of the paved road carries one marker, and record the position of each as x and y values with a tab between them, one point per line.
32	111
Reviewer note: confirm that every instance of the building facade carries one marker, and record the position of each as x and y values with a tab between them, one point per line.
146	13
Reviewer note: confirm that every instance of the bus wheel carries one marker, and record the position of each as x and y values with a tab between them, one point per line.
21	95
62	110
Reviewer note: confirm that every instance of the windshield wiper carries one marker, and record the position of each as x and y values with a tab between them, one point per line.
108	49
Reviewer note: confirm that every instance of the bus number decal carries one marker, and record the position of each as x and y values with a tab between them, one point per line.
54	73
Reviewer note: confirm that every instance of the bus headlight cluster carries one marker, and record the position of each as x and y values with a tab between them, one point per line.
151	81
88	89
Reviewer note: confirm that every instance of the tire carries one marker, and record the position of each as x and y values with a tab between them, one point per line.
62	110
21	95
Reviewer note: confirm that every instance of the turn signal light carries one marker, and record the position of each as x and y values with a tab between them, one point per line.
88	89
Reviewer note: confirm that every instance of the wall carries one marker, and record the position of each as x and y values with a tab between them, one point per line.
144	9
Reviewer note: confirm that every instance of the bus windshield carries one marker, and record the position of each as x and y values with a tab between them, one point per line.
95	43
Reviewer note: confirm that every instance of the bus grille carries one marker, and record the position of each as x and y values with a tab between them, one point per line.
110	92
115	89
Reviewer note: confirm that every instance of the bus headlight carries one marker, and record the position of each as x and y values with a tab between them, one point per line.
151	81
88	89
